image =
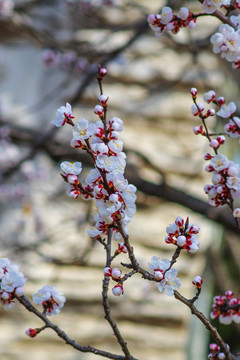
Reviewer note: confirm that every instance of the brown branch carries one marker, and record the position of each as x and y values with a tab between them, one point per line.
206	322
106	305
27	304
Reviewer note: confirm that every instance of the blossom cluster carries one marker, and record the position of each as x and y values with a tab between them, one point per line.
216	353
183	234
167	277
232	128
51	300
227	41
226	183
106	185
226	308
167	21
115	274
11	283
225	180
210	6
67	61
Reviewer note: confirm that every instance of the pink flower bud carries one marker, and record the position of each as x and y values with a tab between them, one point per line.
198	130
209	96
208	156
194	229
229	293
152	19
107	271
19	291
117	290
192	24
221	139
77	144
99	110
103	99
221	101
210	112
179	221
158	274
73	179
207	188
209	168
214	144
194	92
169	239
197	281
102	72
220	189
5	295
122	248
214	347
116	273
197	109
181	240
31	332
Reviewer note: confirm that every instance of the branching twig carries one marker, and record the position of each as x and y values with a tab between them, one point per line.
27	304
206	322
106	305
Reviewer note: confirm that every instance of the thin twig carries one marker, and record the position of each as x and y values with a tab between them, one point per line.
208	325
106	305
27	304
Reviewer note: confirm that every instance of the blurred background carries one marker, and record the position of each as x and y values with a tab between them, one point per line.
49	54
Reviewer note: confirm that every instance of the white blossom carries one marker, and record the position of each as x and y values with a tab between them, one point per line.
210	6
73	168
61	114
170	282
12	280
219	162
166	15
107	163
227	111
82	130
51	300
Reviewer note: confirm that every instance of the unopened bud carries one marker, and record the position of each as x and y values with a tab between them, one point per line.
116	273
208	156
77	144
99	110
117	290
102	72
179	221
197	281
221	101
214	144
181	240
103	99
158	274
31	332
194	92
210	112
122	248
198	130
107	271
221	139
